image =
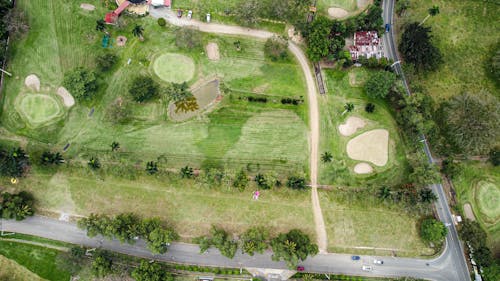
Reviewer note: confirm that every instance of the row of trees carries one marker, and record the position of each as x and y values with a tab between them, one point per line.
128	227
16	206
291	247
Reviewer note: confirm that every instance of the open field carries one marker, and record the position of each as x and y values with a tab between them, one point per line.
343	87
39	260
370	228
478	185
466	32
11	270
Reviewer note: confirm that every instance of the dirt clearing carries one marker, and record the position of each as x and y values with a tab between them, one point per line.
351	126
372	146
67	98
33	82
469	214
363	168
213	51
337	13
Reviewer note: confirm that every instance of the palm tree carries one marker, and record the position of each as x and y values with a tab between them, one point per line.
100	25
370	107
186	105
348	107
138	31
432	12
115	146
237	45
384	192
152	167
326	157
94	163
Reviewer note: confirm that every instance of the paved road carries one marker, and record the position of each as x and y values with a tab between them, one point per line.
454	250
312	95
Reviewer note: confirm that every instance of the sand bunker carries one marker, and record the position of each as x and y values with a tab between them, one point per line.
206	96
363	168
67	98
32	81
372	146
468	212
337	13
121	41
351	126
363	3
87	7
213	51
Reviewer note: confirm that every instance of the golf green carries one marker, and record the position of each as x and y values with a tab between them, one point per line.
488	199
174	67
38	108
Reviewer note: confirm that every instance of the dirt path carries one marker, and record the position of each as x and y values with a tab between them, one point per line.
312	95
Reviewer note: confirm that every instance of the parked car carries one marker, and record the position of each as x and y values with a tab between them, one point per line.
208	17
367	268
190	14
179	13
300	268
378	262
355	258
387	27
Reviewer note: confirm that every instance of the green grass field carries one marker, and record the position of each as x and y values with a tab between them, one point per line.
478	185
466	32
38	109
343	87
11	270
348	5
174	68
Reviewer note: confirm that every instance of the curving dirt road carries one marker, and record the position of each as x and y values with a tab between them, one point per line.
312	94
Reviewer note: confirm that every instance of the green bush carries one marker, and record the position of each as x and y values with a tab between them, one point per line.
81	83
162	22
143	88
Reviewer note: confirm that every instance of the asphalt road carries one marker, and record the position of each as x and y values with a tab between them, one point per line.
454	250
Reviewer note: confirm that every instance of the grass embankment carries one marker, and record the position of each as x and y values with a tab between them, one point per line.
11	270
477	185
347	87
466	32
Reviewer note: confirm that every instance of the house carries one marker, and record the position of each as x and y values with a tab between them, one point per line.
367	44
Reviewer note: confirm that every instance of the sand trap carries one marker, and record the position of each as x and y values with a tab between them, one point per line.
363	3
67	98
87	7
213	51
468	212
351	126
121	41
337	13
32	81
372	146
363	168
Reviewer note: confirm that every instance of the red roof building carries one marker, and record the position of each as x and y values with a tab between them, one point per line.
367	44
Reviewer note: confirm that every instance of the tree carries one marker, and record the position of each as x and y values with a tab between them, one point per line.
255	239
187	172
16	22
49	158
152	167
241	180
261	181
100	25
471	231
276	48
417	48
115	146
432	230
147	271
94	163
370	107
494	67
188	38
143	88
220	239
138	31
326	157
247	13
402	6
422	173
384	192
450	168
77	252
348	107
13	163
296	182
162	22
101	266
495	156
106	61
379	84
427	195
293	247
237	45
160	238
81	83
432	12
471	122
324	37
16	206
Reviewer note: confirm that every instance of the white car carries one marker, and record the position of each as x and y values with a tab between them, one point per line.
208	17
378	262
190	14
367	268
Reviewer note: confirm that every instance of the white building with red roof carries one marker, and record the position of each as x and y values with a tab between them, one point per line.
367	44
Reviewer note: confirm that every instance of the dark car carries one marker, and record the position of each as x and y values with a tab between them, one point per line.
355	258
387	27
300	268
179	13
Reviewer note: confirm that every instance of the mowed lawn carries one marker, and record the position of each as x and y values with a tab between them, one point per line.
476	176
344	87
466	32
368	228
11	270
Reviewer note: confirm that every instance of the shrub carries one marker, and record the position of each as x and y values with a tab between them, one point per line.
370	108
432	230
275	48
379	84
187	38
143	88
13	163
106	61
81	83
16	206
162	22
296	182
